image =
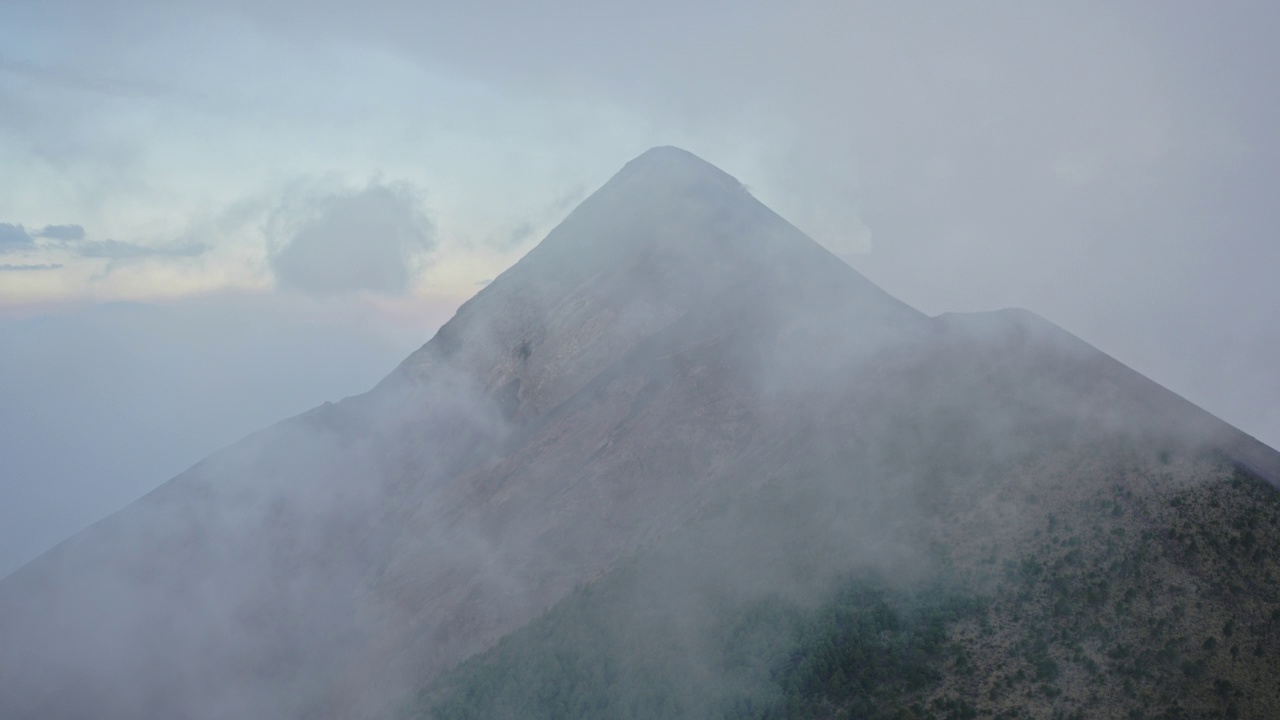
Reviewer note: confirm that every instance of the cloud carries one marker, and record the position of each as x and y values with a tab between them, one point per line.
370	240
65	233
8	267
984	157
14	237
542	219
520	233
71	239
117	250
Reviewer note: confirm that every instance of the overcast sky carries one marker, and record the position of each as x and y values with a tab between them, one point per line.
214	215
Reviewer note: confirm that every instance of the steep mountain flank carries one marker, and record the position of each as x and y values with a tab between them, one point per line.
675	383
1110	590
1079	553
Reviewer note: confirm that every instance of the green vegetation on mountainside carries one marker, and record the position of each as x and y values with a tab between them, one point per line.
1143	599
867	649
1108	586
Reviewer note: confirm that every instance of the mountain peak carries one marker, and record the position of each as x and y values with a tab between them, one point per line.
667	164
670	152
666	199
669	236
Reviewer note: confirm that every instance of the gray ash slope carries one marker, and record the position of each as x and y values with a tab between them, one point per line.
672	345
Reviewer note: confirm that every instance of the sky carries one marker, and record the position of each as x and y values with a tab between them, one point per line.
214	215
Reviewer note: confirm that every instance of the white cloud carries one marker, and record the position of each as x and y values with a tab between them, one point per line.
14	237
64	233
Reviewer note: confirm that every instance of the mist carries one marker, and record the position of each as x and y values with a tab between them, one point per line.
1109	167
103	404
658	410
675	380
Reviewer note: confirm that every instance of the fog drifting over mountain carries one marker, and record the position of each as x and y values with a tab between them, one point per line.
675	379
1110	168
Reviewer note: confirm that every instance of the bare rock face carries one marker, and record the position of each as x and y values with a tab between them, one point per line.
673	344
